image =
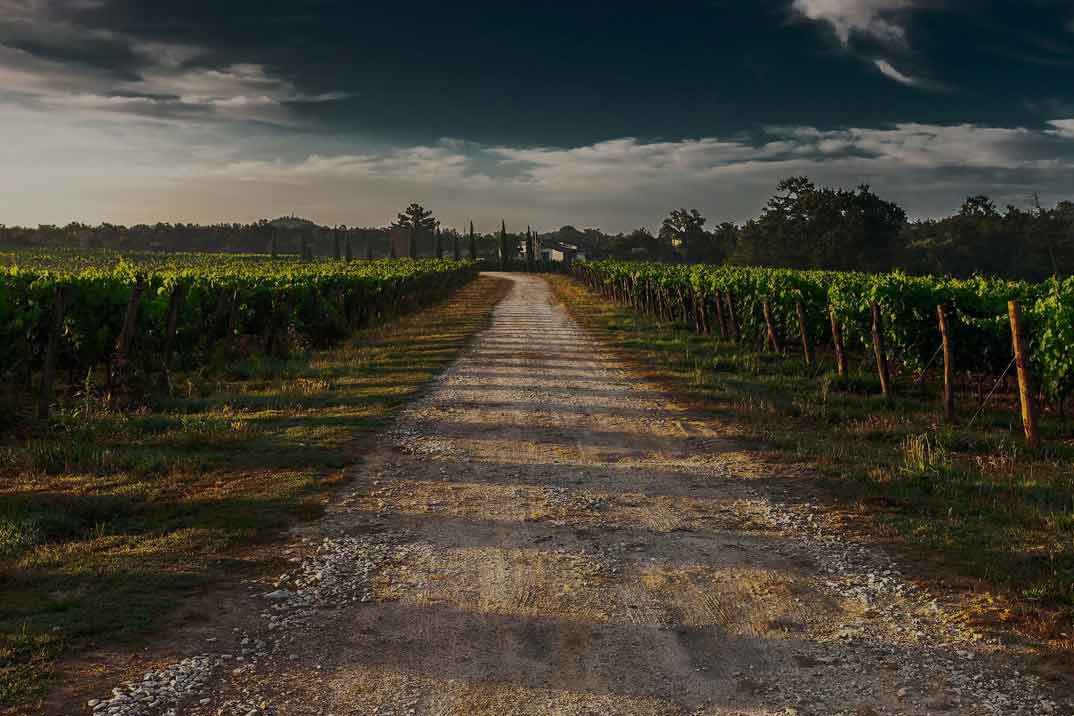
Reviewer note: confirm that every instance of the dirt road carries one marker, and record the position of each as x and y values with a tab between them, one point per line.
542	534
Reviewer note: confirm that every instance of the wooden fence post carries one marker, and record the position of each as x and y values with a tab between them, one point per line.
48	370
1025	379
807	347
837	344
948	367
174	304
773	337
881	356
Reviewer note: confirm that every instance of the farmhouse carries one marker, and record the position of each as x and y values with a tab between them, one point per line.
561	252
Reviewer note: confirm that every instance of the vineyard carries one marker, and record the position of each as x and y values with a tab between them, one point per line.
903	323
75	313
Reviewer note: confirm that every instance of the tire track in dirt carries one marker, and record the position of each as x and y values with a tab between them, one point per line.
567	540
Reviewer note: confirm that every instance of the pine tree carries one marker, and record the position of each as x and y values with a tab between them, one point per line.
415	218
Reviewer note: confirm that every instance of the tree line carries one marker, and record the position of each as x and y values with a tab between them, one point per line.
801	226
806	227
284	236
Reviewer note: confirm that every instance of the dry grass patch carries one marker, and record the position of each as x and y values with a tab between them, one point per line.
970	506
108	520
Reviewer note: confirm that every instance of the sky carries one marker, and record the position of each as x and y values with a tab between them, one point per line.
586	113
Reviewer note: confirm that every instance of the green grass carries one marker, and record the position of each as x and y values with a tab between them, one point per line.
107	520
971	506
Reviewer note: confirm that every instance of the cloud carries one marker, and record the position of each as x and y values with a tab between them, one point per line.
622	183
48	60
888	71
145	170
879	19
1063	127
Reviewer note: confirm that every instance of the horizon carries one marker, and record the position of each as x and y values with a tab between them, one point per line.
562	115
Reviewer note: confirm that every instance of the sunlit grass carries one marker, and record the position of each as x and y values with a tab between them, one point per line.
970	503
107	519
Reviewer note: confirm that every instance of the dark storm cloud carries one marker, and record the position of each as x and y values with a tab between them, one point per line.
580	72
65	55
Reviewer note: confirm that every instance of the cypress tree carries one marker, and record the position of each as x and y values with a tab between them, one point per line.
473	243
503	245
455	245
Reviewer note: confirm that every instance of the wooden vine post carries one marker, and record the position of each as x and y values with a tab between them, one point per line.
881	356
216	324
126	338
719	315
837	344
174	304
807	347
948	366
736	334
773	337
1025	379
55	333
130	320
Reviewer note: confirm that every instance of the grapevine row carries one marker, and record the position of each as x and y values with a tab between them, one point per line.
179	310
812	306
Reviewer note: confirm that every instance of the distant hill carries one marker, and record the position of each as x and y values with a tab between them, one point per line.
292	222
